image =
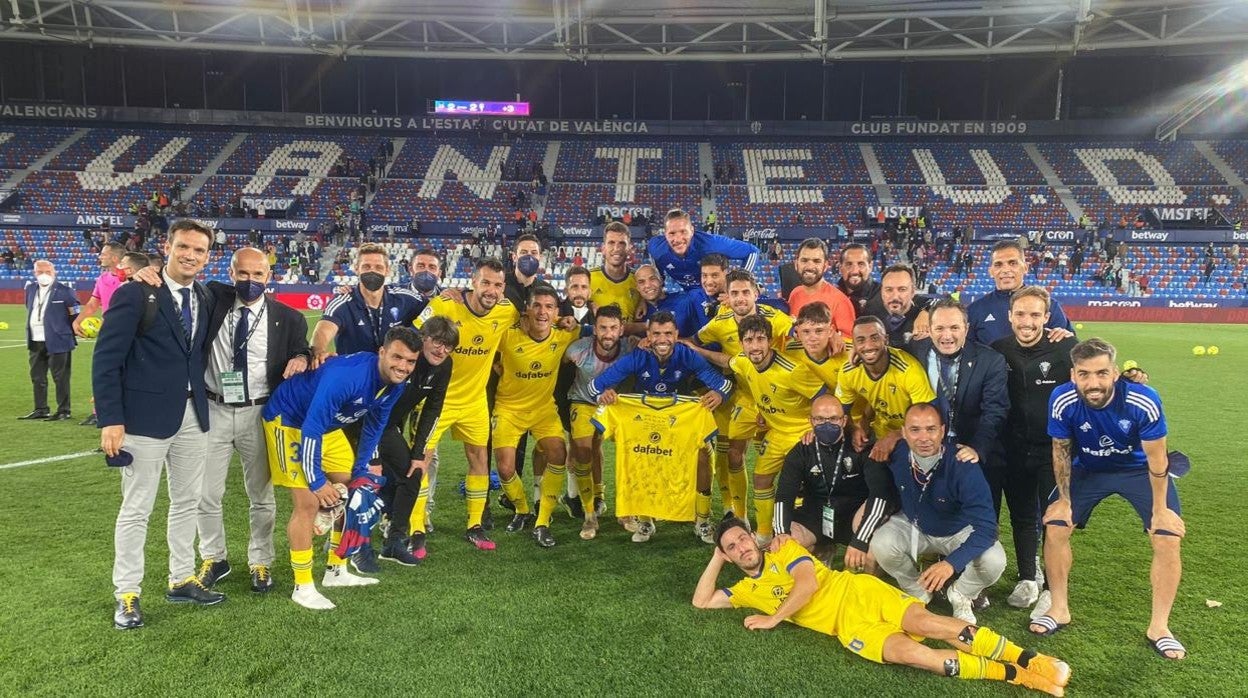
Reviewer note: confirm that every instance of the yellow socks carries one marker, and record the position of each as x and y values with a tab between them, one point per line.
987	643
514	489
335	537
764	507
702	506
740	491
421	508
301	564
720	457
971	667
552	485
584	485
476	489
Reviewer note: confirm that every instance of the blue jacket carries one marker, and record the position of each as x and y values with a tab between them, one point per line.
683	307
981	401
670	379
140	378
58	317
989	317
686	270
956	497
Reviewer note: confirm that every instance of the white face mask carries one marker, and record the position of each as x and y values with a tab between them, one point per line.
44	279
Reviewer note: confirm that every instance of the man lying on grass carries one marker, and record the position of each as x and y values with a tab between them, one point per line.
873	619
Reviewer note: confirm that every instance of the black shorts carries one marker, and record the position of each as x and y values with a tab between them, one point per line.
810	516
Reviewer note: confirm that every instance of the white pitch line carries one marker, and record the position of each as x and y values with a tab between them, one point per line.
49	459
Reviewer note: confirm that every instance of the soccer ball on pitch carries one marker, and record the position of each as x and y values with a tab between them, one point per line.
1198	351
1078	325
91	327
1212	351
4	325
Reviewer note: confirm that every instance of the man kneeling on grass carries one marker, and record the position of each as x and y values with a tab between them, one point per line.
873	619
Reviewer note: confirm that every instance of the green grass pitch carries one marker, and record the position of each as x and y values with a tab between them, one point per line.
606	617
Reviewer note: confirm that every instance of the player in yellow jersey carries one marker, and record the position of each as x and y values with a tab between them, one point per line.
613	282
482	318
736	419
888	380
530	354
781	391
872	619
812	329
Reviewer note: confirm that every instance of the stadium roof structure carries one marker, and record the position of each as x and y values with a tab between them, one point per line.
640	30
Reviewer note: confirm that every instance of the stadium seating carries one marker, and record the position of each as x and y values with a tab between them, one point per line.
21	146
94	192
657	162
957	163
794	163
577	204
142	150
776	205
454	201
290	153
325	192
420	152
1135	163
1028	207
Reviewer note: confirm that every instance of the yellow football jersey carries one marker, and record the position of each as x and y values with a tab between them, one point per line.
479	336
828	370
902	385
530	369
772	586
657	440
781	392
722	329
603	290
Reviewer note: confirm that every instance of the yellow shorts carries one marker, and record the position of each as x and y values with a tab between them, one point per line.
771	452
285	450
509	426
468	423
871	611
582	420
735	418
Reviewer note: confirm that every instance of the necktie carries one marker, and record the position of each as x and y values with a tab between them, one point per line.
188	322
240	344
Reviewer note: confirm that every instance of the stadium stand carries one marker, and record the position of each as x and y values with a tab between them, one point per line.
657	162
969	163
141	151
21	146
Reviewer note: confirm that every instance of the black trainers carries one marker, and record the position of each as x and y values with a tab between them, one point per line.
505	502
476	536
541	534
396	550
192	591
417	545
261	579
520	521
212	571
127	615
89	421
365	560
487	519
37	414
572	505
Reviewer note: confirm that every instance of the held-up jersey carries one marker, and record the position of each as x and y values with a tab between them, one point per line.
1109	438
781	392
656	457
479	336
902	385
774	583
588	365
340	392
530	369
722	329
603	290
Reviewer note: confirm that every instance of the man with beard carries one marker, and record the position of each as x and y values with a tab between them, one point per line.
905	317
714	284
678	254
1109	437
482	318
856	282
1035	366
811	264
989	315
613	282
872	619
589	357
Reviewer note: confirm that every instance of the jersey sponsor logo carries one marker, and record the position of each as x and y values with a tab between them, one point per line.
478	340
649	450
1106	442
660	387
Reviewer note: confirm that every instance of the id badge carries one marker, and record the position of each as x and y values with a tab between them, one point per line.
829	522
233	388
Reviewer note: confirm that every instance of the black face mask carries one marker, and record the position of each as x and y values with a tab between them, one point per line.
372	281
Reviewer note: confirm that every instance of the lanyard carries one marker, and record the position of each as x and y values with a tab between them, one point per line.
41	306
375	322
836	467
255	323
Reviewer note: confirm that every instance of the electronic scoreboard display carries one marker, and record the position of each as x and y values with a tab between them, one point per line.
469	108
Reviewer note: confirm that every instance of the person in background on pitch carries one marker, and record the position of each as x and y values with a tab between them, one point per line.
872	619
946	509
152	407
1109	437
51	309
101	296
309	454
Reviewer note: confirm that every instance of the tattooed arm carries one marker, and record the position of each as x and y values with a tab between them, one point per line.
1061	468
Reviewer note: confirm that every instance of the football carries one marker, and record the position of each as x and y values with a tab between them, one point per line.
91	327
1198	351
4	325
1212	351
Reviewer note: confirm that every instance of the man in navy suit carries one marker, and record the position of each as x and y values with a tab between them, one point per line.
152	408
50	311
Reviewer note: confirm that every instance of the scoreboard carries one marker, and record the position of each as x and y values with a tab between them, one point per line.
450	107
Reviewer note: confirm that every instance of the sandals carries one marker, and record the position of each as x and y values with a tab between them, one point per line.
1167	644
1047	622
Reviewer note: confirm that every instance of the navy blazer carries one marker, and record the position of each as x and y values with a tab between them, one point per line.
140	377
58	318
981	401
287	329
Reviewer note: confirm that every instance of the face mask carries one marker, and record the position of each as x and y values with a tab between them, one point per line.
424	281
44	279
122	273
527	265
372	281
828	433
248	291
926	463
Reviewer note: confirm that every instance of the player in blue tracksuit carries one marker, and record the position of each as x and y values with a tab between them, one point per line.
1109	437
988	318
678	254
680	304
308	453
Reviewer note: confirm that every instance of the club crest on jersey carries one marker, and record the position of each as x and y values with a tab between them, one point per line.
892	388
671	421
1044	368
1085	427
1125	424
